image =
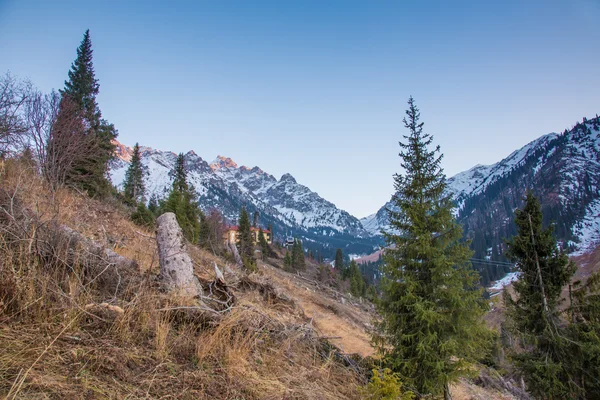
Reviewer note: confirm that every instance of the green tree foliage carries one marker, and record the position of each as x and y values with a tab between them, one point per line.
339	265
143	216
430	306
245	242
182	202
535	316
584	331
358	286
287	261
264	246
134	188
298	260
82	86
153	204
81	89
385	385
544	269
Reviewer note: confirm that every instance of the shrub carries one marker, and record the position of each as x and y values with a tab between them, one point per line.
386	385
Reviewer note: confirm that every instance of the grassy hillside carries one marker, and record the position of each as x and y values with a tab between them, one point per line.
73	326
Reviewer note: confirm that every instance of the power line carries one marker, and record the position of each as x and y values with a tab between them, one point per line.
479	260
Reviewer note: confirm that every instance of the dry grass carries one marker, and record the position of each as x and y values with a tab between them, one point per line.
58	341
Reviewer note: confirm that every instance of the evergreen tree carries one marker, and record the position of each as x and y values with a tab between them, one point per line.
245	242
182	202
287	261
143	216
264	246
584	334
81	89
430	306
535	315
339	260
82	86
153	205
358	286
338	264
134	188
298	260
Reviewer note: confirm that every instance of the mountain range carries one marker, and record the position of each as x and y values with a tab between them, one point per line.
563	170
292	209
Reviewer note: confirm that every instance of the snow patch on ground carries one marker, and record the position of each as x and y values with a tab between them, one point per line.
588	229
507	280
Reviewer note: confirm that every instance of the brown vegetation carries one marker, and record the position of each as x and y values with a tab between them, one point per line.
65	334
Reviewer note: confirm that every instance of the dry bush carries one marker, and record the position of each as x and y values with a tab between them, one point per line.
14	95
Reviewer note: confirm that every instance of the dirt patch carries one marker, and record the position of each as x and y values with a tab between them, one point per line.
345	325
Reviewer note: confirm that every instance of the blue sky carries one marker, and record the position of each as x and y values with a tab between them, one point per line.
319	88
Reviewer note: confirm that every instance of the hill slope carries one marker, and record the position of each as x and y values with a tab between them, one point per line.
69	333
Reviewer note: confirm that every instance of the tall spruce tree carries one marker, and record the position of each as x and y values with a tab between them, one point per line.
584	334
358	286
431	309
245	242
182	201
82	86
81	89
534	315
298	260
134	187
338	263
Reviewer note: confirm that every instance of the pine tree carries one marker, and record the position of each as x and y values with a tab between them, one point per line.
153	205
431	308
287	261
584	334
134	188
245	241
82	86
358	286
534	316
182	202
338	264
298	260
81	89
264	246
143	216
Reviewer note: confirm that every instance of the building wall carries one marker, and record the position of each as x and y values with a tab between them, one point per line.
232	236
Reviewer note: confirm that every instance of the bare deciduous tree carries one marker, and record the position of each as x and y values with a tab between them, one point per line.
214	229
14	95
67	143
40	115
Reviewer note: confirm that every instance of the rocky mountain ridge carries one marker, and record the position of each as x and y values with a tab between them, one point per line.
291	208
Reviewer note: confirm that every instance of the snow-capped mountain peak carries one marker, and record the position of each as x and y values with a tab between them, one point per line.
284	203
563	170
223	162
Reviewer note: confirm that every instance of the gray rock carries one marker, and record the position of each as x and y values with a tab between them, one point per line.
176	267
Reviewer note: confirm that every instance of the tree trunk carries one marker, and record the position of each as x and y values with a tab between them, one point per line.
176	268
236	255
447	393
